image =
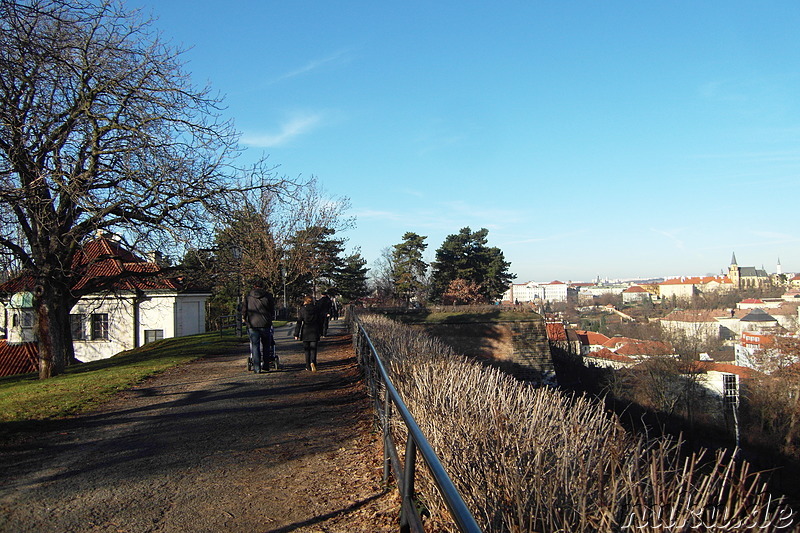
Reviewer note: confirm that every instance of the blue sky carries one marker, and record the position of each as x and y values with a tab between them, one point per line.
612	139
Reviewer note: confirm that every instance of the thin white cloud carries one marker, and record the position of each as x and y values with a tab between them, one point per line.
722	91
341	56
671	235
412	192
380	215
774	236
293	127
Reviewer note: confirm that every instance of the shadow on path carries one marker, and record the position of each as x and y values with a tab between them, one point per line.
208	446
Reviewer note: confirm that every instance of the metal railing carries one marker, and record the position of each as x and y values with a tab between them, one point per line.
378	379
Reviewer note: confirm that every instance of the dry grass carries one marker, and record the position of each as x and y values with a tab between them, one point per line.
534	459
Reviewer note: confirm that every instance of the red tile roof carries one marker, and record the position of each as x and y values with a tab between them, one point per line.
605	353
613	342
591	338
18	358
644	348
100	260
556	331
634	288
103	258
727	368
701	315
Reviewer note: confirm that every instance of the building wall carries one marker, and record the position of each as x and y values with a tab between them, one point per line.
703	330
555	292
170	314
632	297
120	314
677	290
156	313
532	291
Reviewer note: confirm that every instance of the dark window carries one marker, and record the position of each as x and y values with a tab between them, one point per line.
100	326
153	335
27	319
730	389
77	324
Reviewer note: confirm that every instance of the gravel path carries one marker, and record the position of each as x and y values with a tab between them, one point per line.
210	447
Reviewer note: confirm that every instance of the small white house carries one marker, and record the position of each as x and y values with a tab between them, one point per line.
636	294
134	311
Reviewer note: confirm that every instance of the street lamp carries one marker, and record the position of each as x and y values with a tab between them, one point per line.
236	253
285	308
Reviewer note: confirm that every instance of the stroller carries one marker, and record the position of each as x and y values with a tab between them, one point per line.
269	357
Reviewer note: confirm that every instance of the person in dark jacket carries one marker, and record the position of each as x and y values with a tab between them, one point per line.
308	329
324	305
258	310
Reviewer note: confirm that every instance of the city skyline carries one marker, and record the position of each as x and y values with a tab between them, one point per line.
613	139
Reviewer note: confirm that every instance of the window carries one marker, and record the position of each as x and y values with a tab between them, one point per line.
730	390
77	324
153	335
100	326
27	319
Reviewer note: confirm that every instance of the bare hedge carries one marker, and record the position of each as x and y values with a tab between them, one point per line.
535	459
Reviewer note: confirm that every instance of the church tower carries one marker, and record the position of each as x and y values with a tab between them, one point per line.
733	272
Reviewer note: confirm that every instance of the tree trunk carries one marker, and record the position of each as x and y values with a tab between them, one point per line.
52	329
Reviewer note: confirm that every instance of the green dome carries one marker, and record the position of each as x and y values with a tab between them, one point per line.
21	300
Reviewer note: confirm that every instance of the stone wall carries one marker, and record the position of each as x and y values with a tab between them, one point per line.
519	347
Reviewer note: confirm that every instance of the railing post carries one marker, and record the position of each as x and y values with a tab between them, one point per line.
408	485
387	415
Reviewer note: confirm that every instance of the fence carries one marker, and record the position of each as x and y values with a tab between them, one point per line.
378	381
232	322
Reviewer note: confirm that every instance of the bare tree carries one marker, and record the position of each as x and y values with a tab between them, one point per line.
101	129
773	396
381	278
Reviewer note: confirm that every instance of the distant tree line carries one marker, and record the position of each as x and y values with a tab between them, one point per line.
466	270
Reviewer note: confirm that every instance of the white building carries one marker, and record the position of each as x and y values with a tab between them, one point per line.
533	291
130	313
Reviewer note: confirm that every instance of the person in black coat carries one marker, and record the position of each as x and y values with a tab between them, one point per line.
257	312
324	305
308	329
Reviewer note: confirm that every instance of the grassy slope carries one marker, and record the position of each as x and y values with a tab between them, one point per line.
461	316
84	386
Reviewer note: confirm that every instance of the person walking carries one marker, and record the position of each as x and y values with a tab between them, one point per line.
258	310
308	329
324	305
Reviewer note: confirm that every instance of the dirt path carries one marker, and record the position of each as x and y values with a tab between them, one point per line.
209	447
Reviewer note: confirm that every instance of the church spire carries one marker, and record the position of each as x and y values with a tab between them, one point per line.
733	259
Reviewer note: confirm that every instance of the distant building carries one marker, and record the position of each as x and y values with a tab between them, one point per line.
684	288
591	341
532	291
702	324
746	277
636	294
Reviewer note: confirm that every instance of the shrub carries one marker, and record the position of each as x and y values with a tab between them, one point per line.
536	459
